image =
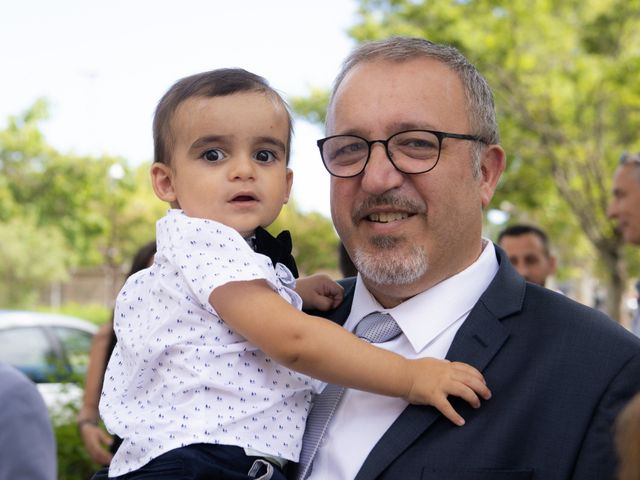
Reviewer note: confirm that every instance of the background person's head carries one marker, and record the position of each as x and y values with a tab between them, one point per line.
625	204
528	250
221	149
406	232
143	258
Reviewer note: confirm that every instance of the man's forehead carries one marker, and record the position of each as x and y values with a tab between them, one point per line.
522	241
422	93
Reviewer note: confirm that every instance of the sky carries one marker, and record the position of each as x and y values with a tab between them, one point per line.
103	66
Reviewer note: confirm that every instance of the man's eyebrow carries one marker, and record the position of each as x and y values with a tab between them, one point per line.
394	128
413	126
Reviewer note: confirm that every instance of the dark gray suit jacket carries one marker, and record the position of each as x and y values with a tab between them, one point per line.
559	372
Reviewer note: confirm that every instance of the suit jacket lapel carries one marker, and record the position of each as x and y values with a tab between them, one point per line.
476	343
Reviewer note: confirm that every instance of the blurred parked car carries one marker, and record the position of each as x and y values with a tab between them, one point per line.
51	349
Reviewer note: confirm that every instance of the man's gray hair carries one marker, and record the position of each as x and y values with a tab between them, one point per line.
480	106
631	159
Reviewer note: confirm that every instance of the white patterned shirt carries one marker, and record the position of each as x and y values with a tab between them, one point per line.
178	374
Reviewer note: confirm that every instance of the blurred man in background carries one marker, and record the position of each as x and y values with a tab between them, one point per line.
625	209
625	205
528	250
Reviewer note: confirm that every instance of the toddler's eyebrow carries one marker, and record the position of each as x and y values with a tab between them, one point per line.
207	140
273	141
204	141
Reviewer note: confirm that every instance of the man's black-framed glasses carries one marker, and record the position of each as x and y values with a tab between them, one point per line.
410	151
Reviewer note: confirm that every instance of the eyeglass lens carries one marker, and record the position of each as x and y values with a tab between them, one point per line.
415	151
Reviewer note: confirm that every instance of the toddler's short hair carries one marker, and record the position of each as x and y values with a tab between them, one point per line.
216	83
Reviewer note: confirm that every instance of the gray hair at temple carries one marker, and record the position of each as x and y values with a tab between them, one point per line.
480	106
631	159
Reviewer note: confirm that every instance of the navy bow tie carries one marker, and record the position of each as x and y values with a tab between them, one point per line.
278	249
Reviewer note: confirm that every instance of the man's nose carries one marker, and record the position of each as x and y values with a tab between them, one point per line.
380	175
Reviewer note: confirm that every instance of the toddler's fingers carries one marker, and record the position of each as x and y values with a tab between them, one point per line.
465	392
466	369
337	299
443	405
473	378
324	303
479	387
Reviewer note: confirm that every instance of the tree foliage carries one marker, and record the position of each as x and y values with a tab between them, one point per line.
30	258
62	211
59	212
564	76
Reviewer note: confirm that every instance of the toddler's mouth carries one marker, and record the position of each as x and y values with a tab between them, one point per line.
244	197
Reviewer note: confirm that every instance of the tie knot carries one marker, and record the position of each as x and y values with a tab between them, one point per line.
377	327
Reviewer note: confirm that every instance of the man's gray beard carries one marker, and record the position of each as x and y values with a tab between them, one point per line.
387	266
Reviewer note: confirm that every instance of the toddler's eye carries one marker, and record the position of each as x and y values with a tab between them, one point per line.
265	156
213	155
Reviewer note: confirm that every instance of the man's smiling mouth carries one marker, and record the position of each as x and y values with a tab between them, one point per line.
387	217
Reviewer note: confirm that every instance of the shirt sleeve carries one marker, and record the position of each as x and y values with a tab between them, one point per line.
207	254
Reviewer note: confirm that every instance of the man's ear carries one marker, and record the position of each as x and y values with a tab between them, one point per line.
492	164
289	181
162	182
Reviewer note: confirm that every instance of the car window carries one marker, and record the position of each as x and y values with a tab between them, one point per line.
29	350
76	344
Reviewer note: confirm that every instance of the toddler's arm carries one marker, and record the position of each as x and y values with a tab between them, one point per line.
319	292
323	349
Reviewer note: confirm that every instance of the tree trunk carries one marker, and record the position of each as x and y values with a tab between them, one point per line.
616	278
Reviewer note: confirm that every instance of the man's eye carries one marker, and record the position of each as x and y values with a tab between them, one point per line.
213	155
265	156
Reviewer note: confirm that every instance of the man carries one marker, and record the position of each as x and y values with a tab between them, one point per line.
625	208
625	205
27	443
413	151
528	250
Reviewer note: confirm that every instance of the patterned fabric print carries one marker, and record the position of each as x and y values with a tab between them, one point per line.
179	375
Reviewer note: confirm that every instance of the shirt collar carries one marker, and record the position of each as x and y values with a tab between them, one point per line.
424	317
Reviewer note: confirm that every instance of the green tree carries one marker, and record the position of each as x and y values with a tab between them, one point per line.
31	257
80	210
565	79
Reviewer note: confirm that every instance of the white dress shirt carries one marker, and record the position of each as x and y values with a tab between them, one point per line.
429	322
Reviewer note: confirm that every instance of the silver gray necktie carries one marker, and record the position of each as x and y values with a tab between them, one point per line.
376	327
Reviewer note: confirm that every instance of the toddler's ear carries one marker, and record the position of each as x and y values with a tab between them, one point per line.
289	180
162	182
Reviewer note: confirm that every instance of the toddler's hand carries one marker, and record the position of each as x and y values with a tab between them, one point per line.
319	292
434	380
